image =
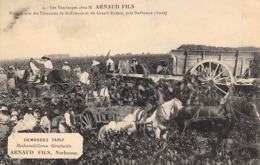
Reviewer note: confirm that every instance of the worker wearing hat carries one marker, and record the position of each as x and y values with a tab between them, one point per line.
84	77
77	70
69	119
96	76
66	66
29	119
14	117
162	68
95	68
104	95
4	120
46	61
133	66
3	81
95	63
11	76
45	123
56	122
110	65
1	70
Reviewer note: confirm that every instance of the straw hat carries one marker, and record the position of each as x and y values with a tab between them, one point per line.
14	113
45	57
57	112
3	108
94	63
30	108
11	67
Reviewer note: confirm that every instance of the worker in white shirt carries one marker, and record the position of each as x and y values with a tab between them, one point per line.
84	77
4	121
66	66
45	123
3	81
29	120
104	95
69	119
46	61
77	70
110	65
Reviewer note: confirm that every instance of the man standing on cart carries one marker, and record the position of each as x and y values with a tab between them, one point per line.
46	61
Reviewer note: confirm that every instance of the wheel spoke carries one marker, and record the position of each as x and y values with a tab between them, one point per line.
210	69
84	123
220	89
220	83
87	119
220	73
223	78
215	71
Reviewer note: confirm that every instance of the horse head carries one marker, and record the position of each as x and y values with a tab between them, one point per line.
241	108
176	107
251	108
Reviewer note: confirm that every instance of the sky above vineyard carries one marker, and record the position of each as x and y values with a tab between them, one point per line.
232	23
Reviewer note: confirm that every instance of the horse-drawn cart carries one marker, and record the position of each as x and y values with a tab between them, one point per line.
218	68
93	118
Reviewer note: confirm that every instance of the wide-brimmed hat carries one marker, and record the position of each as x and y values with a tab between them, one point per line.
30	109
57	112
45	57
1	68
66	62
134	59
113	78
14	113
11	67
3	108
94	63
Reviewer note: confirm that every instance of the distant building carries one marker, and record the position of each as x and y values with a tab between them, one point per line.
57	56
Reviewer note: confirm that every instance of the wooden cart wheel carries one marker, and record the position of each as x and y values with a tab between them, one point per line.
87	120
215	73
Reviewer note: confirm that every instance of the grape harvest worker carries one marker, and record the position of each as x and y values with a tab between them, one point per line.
110	65
162	68
133	66
29	119
45	123
4	120
84	77
69	119
66	66
11	79
46	61
95	68
77	70
56	122
104	95
3	81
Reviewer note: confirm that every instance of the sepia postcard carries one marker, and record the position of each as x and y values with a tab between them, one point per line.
129	82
